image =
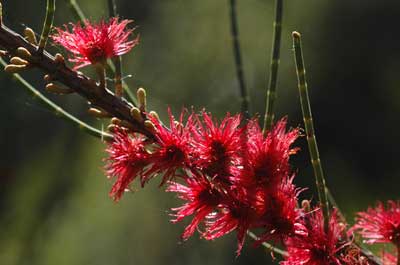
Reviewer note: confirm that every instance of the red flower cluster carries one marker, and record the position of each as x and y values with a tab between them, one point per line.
381	225
231	177
318	246
95	43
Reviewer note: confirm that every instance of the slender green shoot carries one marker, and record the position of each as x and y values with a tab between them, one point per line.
274	66
112	7
80	16
245	101
309	127
57	110
48	24
268	246
76	10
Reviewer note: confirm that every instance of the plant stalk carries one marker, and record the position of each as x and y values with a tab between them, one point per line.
112	7
238	60
48	23
274	66
309	127
269	246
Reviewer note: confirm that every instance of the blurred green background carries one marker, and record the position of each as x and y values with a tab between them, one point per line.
54	207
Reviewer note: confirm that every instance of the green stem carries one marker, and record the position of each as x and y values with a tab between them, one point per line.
79	15
309	127
112	7
57	110
274	66
238	60
48	23
268	246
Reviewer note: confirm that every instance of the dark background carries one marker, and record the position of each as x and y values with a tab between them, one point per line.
54	207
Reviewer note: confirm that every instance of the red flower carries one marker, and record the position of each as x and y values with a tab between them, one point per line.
236	212
172	150
380	225
318	247
281	217
127	159
268	157
218	147
95	43
202	198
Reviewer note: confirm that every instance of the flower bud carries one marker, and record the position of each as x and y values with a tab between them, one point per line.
24	53
18	61
98	113
30	36
13	69
141	96
136	114
58	58
57	89
150	126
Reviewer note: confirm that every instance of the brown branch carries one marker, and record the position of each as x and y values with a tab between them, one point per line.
81	84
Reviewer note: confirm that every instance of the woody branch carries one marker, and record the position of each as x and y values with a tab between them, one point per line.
86	87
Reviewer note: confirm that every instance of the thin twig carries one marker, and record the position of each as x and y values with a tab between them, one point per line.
48	23
79	15
309	127
238	60
81	84
274	66
268	246
58	111
112	7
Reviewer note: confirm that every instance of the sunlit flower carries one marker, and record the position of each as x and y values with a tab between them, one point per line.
380	224
268	157
201	200
127	160
95	43
317	247
172	150
218	146
236	213
281	218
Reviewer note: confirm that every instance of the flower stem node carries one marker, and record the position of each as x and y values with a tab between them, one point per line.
30	36
18	61
24	53
98	113
57	89
136	114
150	126
141	96
14	69
58	58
